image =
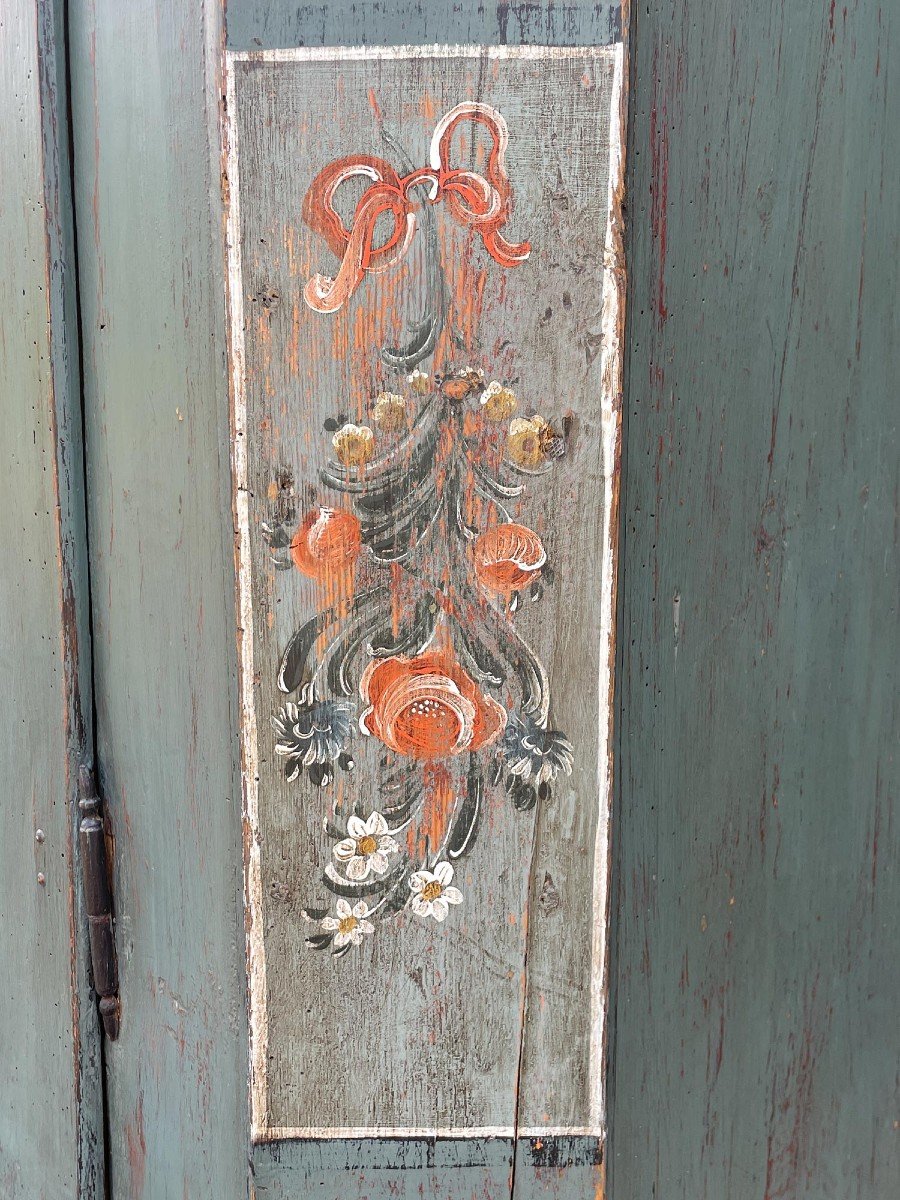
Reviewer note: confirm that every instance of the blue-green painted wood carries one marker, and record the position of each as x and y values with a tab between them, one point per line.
257	24
757	901
408	1168
148	202
145	99
50	1090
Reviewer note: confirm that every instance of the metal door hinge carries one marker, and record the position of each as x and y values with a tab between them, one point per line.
98	901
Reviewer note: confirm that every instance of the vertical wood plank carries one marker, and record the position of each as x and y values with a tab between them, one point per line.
755	981
145	102
50	1092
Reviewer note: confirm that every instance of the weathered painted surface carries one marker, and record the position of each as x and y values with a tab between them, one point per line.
264	24
755	1043
755	978
50	1116
145	103
156	431
372	628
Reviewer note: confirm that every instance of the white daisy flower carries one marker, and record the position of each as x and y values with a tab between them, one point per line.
350	923
432	893
367	847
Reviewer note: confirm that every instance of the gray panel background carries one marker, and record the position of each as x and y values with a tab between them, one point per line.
422	1026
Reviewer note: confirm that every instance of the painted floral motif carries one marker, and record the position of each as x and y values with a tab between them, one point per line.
350	924
312	737
425	550
367	847
531	441
498	402
508	558
389	413
533	753
427	707
328	540
433	893
354	445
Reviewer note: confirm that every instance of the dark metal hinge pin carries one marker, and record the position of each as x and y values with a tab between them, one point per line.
98	901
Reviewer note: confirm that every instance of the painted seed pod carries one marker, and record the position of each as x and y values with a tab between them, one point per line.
327	540
529	441
508	558
428	707
389	412
353	444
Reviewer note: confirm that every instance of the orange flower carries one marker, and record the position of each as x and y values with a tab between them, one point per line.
508	557
427	707
327	541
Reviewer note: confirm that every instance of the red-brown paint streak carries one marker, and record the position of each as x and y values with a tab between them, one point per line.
136	1146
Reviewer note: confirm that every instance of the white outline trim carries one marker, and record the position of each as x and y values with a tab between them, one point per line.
253	907
279	1133
610	393
297	54
610	398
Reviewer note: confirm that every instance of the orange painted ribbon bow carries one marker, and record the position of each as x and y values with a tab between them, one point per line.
482	203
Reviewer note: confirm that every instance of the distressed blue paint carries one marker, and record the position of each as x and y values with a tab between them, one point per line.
445	1168
256	26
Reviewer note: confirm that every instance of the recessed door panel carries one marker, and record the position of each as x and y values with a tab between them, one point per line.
425	277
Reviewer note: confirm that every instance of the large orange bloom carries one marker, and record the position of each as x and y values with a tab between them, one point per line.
327	540
427	707
508	557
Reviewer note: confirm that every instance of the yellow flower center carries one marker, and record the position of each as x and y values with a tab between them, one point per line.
366	845
346	924
431	890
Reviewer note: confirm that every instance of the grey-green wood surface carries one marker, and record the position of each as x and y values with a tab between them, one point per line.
145	111
145	98
50	1089
756	1044
432	1027
755	976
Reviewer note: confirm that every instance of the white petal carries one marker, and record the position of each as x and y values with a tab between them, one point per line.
358	868
356	936
421	907
443	873
388	844
355	827
343	908
367	926
379	862
418	879
376	824
439	908
452	895
345	850
330	924
341	940
361	909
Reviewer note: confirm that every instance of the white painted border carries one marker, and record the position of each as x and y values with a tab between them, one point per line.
253	907
610	398
297	54
277	1133
611	375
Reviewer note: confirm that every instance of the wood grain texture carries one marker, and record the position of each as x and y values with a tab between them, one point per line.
424	1038
755	1045
268	24
145	100
50	1091
564	1168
